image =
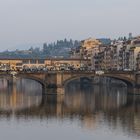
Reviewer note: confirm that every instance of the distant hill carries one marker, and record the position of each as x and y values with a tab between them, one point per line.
60	48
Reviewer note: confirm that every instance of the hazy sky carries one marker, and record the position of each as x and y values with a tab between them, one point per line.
37	21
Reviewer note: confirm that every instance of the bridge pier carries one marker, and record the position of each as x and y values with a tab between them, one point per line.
53	91
53	84
136	89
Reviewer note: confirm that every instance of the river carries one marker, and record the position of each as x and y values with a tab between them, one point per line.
85	112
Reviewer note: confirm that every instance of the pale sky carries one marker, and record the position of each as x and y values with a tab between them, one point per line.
36	21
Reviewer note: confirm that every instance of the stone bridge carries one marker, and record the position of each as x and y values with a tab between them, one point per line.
55	81
59	79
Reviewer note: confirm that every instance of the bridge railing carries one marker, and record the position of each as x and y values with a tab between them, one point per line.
70	71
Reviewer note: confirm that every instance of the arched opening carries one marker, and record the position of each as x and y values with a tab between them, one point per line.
81	79
26	68
127	81
40	81
41	67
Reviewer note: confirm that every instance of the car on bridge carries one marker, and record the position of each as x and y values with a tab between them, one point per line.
127	70
99	72
50	68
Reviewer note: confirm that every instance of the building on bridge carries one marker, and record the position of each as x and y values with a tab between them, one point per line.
17	64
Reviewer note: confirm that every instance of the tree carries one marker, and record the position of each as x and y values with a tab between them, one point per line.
45	47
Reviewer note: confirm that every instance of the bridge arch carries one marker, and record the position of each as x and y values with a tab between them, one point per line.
41	67
24	76
65	82
25	67
42	82
33	67
128	81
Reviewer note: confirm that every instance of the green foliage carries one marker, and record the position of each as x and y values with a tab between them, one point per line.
61	48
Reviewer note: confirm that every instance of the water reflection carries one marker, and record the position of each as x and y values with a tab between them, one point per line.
20	94
91	106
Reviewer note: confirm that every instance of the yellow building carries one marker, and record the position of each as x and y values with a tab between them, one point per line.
138	62
9	64
134	54
90	43
88	47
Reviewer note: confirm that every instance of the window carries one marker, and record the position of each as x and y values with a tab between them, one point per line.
32	61
25	61
41	61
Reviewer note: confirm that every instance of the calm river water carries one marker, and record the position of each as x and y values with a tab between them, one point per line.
85	112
